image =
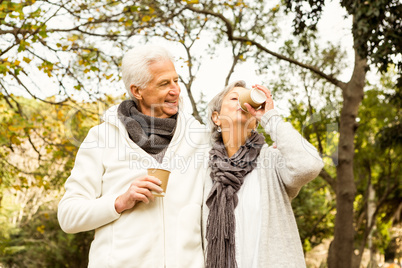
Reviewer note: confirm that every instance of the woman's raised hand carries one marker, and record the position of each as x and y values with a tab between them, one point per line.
266	106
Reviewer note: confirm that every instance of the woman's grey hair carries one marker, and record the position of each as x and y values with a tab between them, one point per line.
135	65
215	105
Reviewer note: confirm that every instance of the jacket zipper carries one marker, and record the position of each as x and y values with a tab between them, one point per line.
164	234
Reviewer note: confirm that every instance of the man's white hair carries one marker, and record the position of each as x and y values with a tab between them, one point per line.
135	65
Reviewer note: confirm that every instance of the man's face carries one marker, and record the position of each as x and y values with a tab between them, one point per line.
160	98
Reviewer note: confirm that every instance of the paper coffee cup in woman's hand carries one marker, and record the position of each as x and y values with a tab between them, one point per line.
163	176
254	97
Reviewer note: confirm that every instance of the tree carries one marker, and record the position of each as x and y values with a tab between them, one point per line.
314	111
76	47
36	156
378	145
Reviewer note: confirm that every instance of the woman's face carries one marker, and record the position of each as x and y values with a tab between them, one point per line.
231	114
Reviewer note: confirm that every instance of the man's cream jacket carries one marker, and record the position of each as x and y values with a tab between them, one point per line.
163	233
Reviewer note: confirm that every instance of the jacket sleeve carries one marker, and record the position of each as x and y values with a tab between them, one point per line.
297	161
83	207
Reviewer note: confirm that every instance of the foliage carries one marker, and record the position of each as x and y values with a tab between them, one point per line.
60	52
377	27
378	158
37	133
42	243
314	210
38	146
314	111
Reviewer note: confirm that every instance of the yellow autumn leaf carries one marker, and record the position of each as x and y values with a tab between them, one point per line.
146	18
15	140
17	187
59	115
27	60
72	38
13	128
70	148
41	229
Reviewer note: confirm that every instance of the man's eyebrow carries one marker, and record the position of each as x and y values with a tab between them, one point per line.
163	80
166	80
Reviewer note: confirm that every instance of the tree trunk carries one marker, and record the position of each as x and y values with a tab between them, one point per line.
371	208
341	249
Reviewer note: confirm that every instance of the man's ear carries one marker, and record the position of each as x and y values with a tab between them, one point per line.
215	118
136	92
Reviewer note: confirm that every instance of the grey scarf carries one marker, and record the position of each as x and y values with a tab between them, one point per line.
228	176
152	134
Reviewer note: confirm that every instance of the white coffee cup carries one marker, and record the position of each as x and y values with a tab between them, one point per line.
254	97
163	176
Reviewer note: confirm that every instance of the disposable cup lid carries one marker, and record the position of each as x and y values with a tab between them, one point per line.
258	96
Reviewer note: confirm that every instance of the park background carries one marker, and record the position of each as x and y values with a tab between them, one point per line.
333	66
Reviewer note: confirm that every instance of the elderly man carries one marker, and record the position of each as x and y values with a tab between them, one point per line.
109	189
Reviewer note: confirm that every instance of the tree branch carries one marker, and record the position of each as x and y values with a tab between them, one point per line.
331	181
32	95
229	32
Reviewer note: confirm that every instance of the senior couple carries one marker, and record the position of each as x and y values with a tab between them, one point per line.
229	206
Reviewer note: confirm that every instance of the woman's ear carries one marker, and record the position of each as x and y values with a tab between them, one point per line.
136	92
215	118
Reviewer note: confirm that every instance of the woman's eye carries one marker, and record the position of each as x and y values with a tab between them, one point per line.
233	98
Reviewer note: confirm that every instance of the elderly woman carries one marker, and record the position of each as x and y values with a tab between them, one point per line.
248	219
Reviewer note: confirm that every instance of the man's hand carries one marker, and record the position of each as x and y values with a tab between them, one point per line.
139	190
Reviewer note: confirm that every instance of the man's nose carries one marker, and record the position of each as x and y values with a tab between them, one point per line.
175	89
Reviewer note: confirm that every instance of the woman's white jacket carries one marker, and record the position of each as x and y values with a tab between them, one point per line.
163	233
